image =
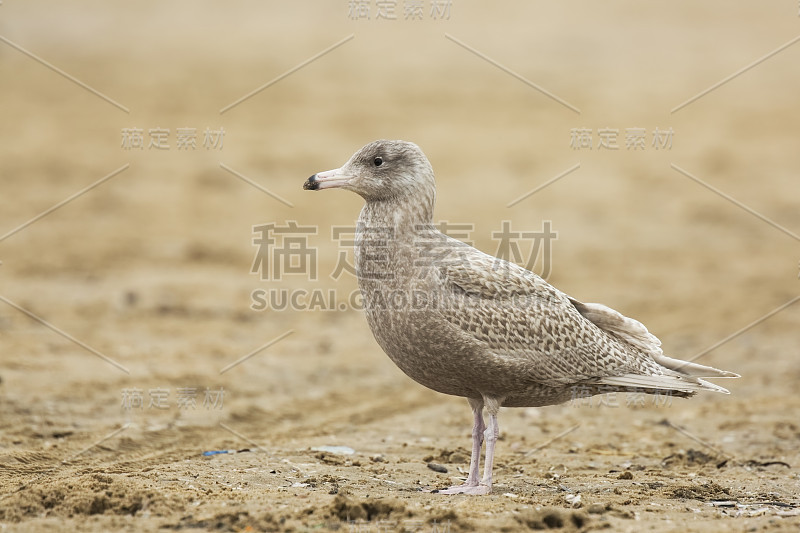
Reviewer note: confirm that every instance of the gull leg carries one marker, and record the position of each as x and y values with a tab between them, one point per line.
478	428
479	433
492	433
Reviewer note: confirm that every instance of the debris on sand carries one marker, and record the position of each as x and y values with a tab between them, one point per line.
551	518
346	508
692	458
336	450
705	492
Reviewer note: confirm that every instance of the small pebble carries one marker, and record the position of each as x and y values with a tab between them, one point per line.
574	500
596	508
436	467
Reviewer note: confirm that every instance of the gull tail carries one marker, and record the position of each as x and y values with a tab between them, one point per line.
681	376
684	385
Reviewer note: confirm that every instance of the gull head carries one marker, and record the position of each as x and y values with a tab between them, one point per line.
381	170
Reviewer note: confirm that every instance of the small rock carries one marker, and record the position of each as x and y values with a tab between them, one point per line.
596	508
330	458
625	475
436	467
573	500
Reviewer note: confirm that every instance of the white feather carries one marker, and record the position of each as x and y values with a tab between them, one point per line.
626	329
692	369
665	382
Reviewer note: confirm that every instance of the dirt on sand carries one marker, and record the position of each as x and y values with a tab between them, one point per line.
144	386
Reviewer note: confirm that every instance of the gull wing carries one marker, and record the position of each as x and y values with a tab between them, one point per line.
516	313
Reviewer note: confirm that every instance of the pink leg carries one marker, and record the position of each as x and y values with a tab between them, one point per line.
478	427
479	433
492	433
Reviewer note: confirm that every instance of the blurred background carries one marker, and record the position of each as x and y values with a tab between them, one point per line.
151	267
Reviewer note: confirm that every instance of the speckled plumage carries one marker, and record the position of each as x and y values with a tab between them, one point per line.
465	323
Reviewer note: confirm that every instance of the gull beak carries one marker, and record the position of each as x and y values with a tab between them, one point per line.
329	179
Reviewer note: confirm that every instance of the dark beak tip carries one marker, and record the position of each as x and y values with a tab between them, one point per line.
311	184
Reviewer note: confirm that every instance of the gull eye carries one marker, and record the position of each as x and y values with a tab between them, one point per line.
378	161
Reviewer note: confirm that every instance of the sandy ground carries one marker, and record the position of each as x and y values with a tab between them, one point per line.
125	311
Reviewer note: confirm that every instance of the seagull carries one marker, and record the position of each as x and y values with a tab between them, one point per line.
465	323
